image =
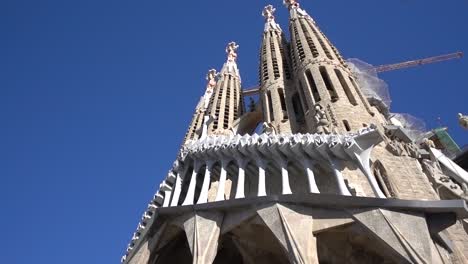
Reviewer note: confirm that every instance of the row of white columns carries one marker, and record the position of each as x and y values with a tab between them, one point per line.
261	163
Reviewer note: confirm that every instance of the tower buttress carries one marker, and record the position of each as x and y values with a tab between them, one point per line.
226	104
330	96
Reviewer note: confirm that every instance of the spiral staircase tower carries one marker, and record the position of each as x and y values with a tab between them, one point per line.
329	180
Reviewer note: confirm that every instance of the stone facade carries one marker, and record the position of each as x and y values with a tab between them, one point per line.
329	179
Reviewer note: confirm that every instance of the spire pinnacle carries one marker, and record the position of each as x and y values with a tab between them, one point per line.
270	23
294	7
290	3
231	51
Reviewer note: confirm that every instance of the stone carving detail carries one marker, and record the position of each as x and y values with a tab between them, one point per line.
231	50
427	143
211	78
268	128
321	119
268	14
463	120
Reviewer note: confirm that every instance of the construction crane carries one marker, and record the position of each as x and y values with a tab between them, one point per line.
388	67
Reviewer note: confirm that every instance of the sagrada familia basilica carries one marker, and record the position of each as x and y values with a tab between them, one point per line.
312	173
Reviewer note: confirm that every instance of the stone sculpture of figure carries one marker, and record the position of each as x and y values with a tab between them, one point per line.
463	120
211	78
412	150
321	119
289	3
268	128
428	143
268	12
396	148
231	51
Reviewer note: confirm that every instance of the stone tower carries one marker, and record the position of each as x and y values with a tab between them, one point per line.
226	105
330	179
275	74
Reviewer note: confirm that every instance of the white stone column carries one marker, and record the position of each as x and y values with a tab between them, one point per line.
240	190
222	181
313	188
193	182
285	187
340	180
178	186
261	178
203	198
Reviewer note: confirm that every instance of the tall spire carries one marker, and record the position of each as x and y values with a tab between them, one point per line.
226	104
270	23
199	119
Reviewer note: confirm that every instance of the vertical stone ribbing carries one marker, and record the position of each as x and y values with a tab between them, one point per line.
227	105
324	78
275	87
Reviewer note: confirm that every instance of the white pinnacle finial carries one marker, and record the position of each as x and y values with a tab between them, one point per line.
231	51
268	12
269	15
289	3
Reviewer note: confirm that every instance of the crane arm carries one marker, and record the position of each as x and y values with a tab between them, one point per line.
413	63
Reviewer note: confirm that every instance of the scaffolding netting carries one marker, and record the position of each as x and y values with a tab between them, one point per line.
413	126
374	88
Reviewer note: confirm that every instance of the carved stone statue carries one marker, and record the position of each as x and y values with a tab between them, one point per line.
321	119
396	148
465	189
463	120
268	12
211	78
231	51
268	128
428	143
412	150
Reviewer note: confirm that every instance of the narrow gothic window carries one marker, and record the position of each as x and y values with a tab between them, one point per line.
304	99
346	124
313	87
346	88
270	106
328	84
283	104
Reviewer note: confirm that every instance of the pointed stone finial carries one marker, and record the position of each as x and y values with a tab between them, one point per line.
463	120
211	78
290	3
268	14
231	51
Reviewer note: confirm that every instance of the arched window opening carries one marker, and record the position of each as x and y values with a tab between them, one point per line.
313	87
298	110
328	83
346	125
283	104
303	98
346	88
270	107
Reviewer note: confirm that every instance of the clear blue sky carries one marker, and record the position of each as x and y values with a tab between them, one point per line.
96	96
